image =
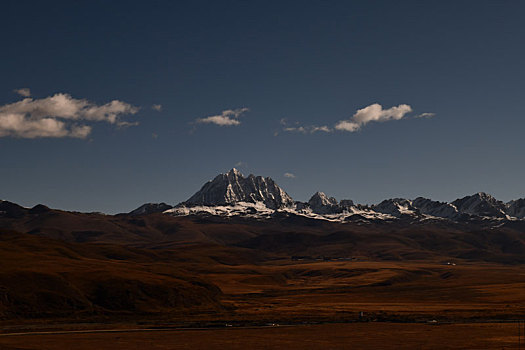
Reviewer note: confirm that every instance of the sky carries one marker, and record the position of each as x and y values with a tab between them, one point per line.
106	105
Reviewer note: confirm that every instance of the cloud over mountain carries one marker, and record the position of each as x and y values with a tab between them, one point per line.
59	115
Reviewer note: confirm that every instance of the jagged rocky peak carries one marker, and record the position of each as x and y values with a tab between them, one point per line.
233	187
435	208
481	204
516	208
395	207
320	203
320	198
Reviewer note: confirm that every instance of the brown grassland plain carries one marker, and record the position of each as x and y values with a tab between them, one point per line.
291	305
373	335
121	290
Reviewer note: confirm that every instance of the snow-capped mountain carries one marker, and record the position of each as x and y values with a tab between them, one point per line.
320	203
395	207
232	194
232	188
516	208
481	204
434	208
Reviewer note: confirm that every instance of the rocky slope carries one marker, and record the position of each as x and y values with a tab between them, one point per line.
481	204
150	208
516	208
434	208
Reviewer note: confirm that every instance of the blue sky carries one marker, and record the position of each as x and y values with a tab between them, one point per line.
291	64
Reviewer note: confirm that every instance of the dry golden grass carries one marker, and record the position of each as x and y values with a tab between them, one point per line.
48	278
405	291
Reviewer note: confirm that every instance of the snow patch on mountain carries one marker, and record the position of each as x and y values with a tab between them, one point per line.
516	208
260	211
395	207
232	194
434	208
247	209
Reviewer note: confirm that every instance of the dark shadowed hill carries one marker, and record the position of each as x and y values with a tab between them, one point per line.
42	277
284	233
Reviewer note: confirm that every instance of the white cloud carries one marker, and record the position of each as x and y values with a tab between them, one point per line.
219	120
20	126
59	116
426	115
228	117
240	164
345	125
300	129
289	175
323	128
125	124
363	116
25	92
310	129
157	108
373	113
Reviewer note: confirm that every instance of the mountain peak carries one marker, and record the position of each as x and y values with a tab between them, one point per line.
516	208
234	172
150	208
435	208
481	204
233	187
11	210
395	207
322	199
320	203
485	196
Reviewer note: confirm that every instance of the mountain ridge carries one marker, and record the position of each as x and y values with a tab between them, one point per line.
232	194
